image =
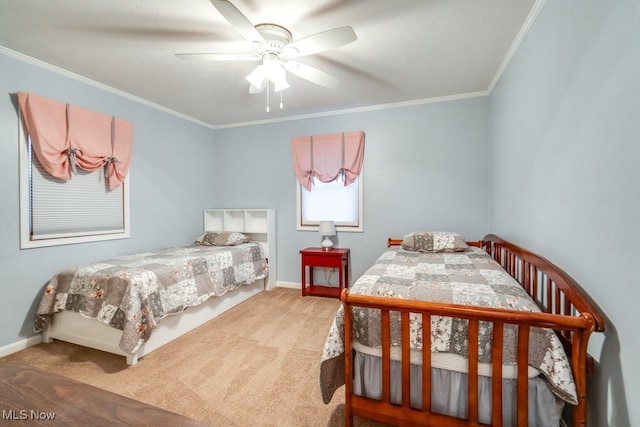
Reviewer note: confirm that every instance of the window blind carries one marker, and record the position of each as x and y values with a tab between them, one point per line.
78	207
331	201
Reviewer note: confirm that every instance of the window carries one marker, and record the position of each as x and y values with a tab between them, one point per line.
323	164
330	201
54	212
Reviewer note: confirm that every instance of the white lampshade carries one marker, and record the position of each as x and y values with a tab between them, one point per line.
280	84
326	229
258	77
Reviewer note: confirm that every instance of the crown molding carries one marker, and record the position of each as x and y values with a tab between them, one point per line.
77	77
524	30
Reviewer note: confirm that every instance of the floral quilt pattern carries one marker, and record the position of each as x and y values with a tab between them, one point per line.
469	278
133	292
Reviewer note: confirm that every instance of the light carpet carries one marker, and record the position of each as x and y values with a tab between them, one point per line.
257	365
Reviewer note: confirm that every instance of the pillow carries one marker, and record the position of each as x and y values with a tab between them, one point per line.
225	238
434	241
206	239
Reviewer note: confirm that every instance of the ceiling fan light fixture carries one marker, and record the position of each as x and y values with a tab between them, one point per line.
257	78
275	72
272	64
280	84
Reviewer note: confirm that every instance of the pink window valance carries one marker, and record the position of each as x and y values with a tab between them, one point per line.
326	156
65	137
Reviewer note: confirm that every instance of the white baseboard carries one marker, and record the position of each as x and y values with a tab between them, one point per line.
291	285
20	345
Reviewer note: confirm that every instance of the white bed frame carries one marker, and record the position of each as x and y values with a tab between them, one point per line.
258	224
77	329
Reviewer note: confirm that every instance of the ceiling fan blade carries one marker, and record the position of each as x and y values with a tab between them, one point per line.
238	21
311	74
320	42
218	56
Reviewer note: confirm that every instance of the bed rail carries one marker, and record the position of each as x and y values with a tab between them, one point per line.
553	289
566	308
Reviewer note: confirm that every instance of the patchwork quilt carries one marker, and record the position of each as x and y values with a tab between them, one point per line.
471	277
133	292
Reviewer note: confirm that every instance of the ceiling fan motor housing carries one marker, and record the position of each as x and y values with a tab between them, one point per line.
275	37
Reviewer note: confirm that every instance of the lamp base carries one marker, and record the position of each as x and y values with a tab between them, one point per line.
327	244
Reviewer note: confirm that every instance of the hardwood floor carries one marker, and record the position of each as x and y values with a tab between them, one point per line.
40	398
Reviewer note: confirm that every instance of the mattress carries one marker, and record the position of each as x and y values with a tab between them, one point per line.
447	361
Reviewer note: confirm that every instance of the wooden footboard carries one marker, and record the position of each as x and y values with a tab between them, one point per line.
566	308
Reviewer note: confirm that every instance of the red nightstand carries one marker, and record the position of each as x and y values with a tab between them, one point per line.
318	257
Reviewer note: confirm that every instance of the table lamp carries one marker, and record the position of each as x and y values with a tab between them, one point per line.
326	229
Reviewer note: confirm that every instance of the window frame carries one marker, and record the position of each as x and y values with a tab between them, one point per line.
26	240
359	228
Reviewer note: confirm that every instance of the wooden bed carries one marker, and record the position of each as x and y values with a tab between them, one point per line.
564	308
134	304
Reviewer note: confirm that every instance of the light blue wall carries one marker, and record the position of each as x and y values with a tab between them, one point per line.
564	172
425	167
170	186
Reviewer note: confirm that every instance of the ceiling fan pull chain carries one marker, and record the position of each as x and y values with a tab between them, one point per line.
267	97
281	104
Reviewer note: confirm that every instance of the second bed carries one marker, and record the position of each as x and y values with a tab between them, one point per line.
491	360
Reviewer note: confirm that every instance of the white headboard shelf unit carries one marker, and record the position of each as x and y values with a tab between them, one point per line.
257	224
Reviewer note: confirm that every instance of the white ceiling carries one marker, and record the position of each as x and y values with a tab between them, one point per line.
407	52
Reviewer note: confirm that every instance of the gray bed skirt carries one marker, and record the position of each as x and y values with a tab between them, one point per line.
449	392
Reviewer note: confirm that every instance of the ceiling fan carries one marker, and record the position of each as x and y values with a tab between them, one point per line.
273	45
